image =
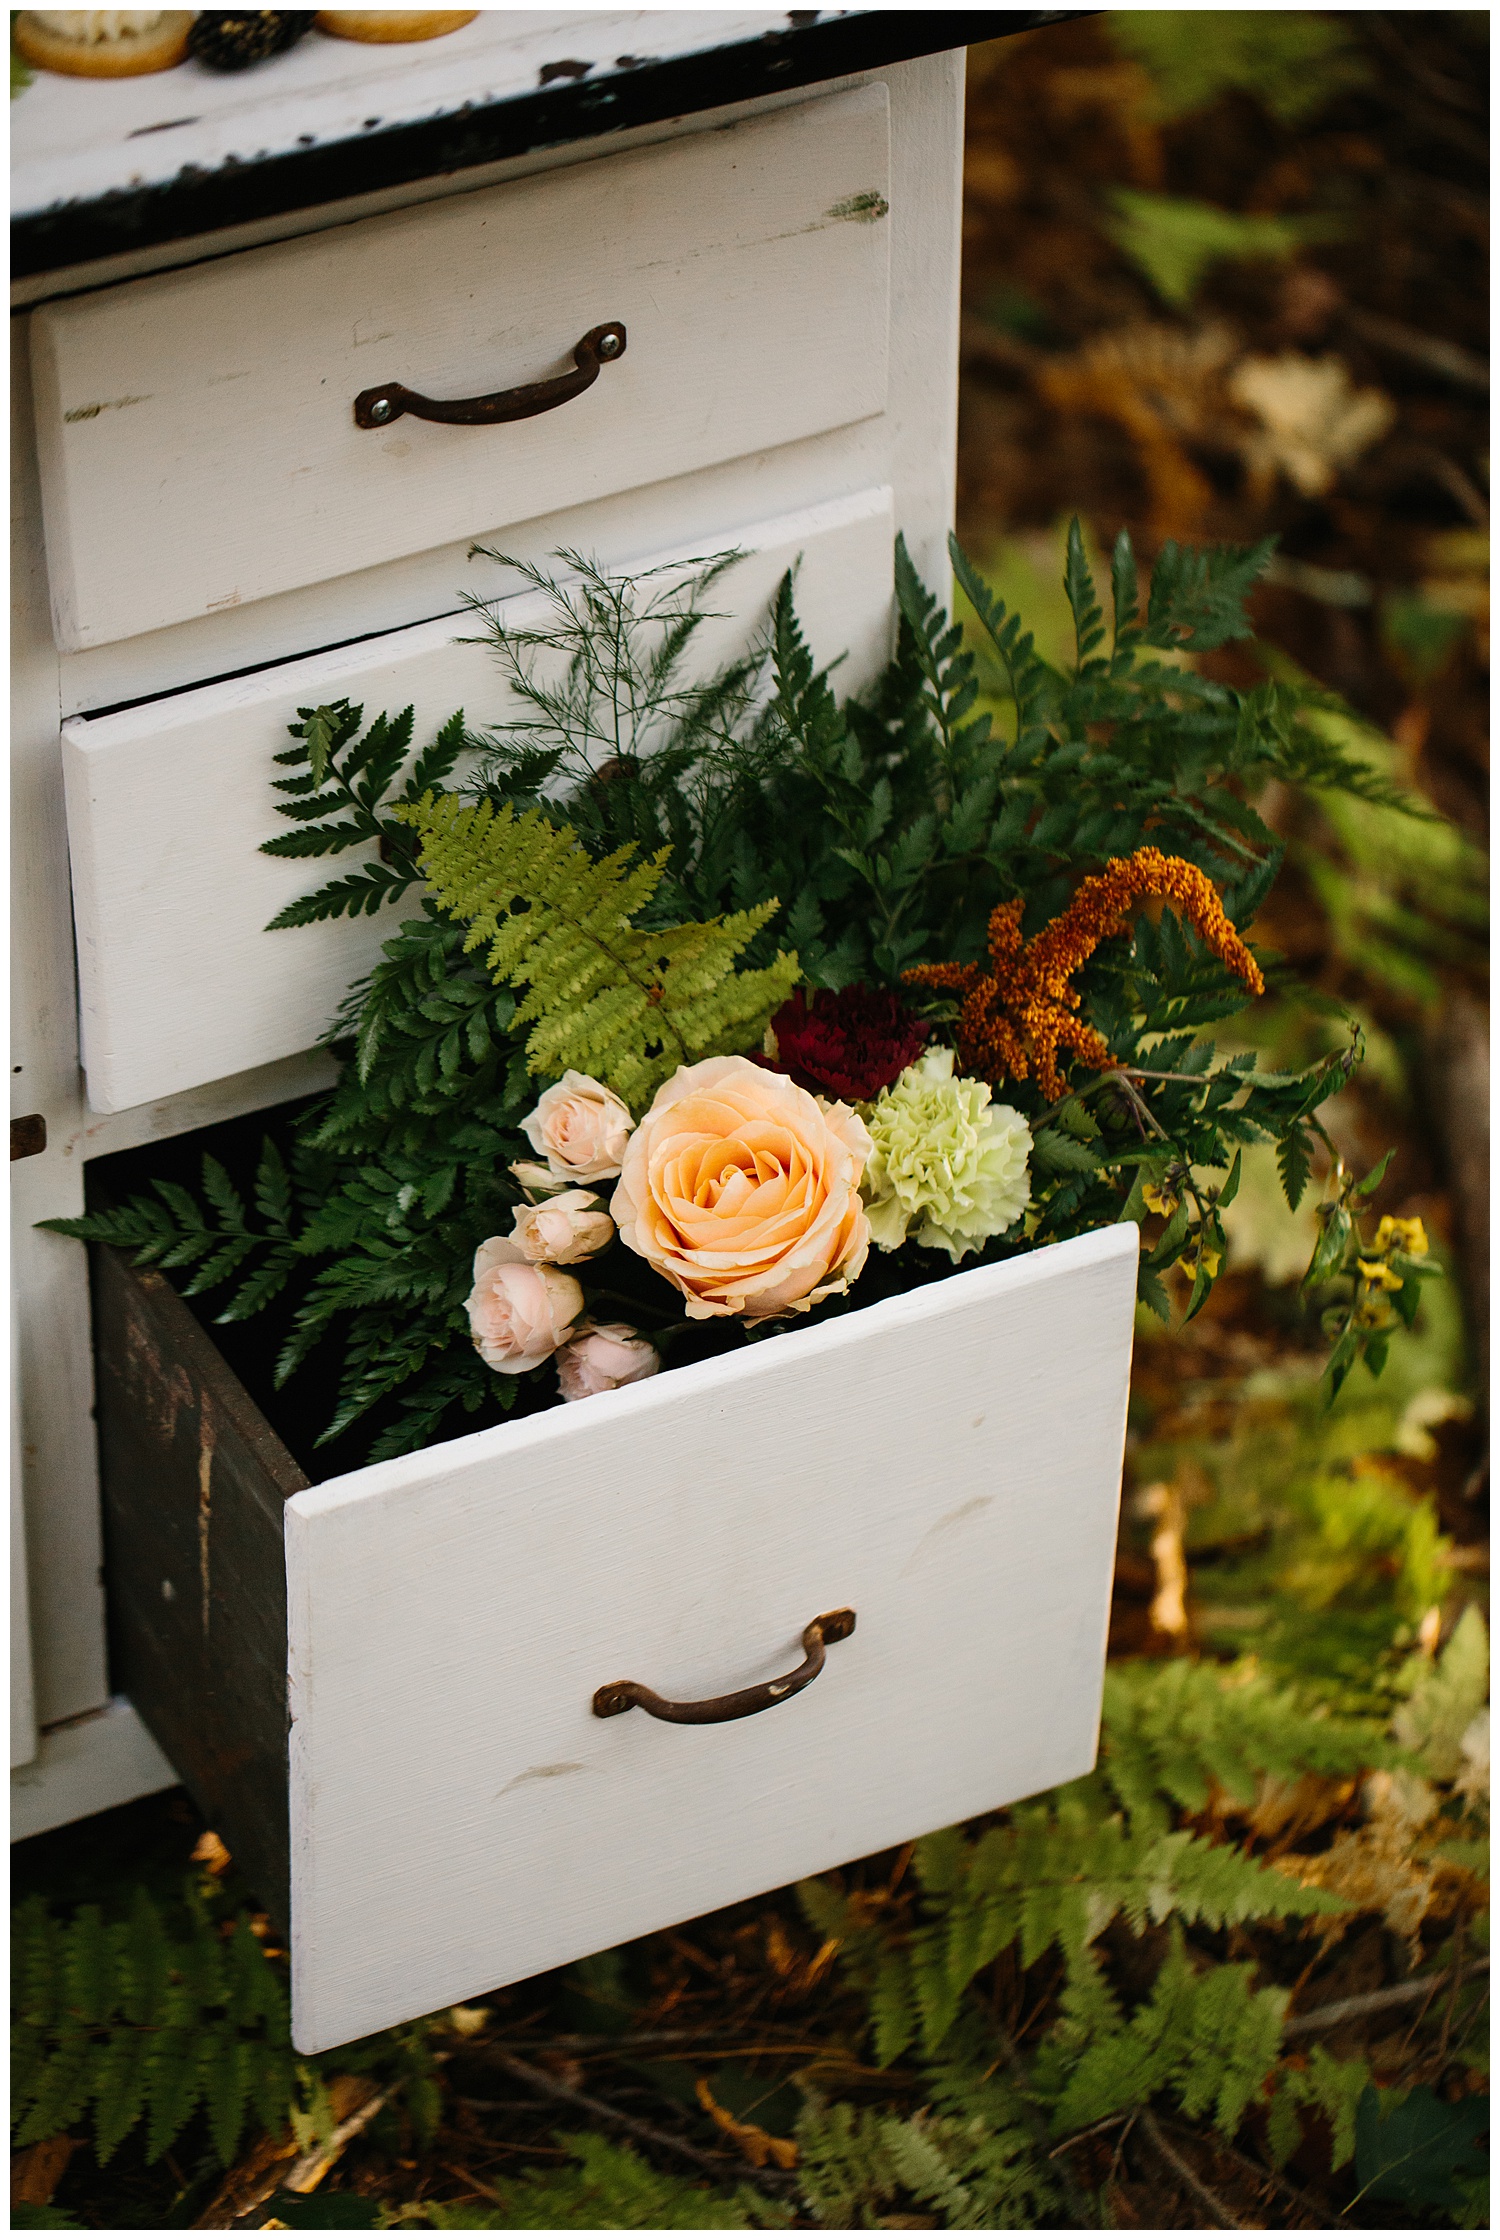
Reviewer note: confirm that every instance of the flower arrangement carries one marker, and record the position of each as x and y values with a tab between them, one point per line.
723	1005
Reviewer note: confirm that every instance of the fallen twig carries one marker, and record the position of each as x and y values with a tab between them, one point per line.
1204	2195
1320	2213
1374	2002
553	2088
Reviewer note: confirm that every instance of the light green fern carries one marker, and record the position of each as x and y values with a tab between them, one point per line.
1174	1733
1055	1874
623	1004
1434	1717
1204	2036
968	2155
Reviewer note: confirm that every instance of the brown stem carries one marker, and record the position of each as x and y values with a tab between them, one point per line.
1375	2002
1320	2214
1204	2195
554	2089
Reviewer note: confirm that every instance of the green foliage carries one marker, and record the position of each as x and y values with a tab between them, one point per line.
341	798
607	2186
1175	241
1055	1873
1326	2087
1204	2036
1417	2149
1177	1733
1405	896
127	2022
1436	1715
628	1007
1291	61
969	2155
138	2018
647	862
1341	1565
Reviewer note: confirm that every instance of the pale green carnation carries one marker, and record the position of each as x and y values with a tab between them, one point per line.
949	1167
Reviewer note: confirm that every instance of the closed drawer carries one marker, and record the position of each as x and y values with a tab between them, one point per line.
167	804
448	1814
197	435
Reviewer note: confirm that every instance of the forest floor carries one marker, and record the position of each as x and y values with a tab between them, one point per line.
1224	277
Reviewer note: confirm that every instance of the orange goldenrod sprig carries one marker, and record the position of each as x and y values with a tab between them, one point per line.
1019	1014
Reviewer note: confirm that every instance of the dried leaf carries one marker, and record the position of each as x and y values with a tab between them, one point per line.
1376	1866
1313	421
210	1853
757	2146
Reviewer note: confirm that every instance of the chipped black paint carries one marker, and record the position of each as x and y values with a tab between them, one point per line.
200	201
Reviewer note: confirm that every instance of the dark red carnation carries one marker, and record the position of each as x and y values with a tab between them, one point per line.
848	1043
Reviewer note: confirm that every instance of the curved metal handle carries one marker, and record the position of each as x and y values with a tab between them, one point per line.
378	408
834	1625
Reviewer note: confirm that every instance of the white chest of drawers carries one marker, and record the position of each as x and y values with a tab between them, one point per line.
215	528
770	207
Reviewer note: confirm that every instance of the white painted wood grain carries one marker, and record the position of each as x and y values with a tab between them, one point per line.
197	438
168	804
946	1463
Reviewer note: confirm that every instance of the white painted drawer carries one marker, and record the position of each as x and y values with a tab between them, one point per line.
946	1464
179	983
196	430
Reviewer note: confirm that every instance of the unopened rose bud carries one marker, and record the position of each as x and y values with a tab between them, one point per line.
602	1357
538	1180
570	1227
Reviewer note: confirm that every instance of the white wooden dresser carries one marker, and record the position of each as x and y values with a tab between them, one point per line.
208	272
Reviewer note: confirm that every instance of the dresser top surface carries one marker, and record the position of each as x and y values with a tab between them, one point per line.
104	166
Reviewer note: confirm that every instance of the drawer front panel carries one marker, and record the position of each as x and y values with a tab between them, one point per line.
947	1464
197	435
179	983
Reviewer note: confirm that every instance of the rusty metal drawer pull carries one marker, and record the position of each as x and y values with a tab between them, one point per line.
601	346
620	1695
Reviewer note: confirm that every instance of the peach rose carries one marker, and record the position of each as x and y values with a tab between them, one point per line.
519	1313
743	1191
569	1227
602	1357
580	1128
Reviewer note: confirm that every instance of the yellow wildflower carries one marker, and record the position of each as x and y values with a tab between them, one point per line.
1376	1272
1401	1236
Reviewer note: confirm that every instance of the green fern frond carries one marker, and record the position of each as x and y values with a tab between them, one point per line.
624	1005
606	2187
1056	1874
1175	1733
133	2022
1208	2038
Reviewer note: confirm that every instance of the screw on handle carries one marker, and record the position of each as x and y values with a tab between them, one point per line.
601	346
621	1695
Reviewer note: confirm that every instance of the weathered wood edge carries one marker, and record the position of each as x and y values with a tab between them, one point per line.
199	201
194	1481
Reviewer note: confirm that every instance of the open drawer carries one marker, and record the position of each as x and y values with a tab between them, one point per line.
179	983
201	437
381	1688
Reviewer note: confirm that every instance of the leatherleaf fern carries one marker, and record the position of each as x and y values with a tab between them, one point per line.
147	2014
626	1006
